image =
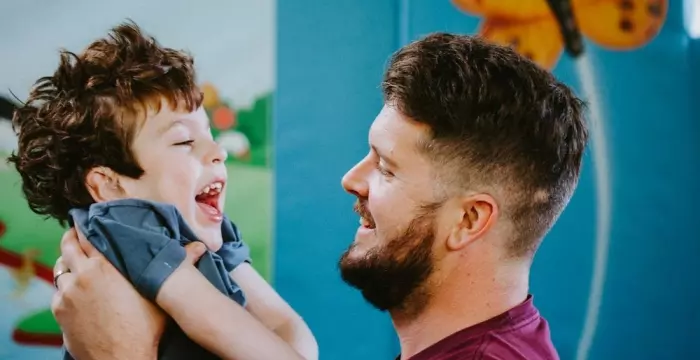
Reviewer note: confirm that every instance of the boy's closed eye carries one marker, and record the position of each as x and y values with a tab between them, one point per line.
184	143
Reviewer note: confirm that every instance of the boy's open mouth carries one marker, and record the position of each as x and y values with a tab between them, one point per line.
208	198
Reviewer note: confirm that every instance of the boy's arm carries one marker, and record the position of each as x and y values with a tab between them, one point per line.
261	299
215	322
274	312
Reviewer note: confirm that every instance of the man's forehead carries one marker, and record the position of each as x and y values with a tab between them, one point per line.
396	139
392	130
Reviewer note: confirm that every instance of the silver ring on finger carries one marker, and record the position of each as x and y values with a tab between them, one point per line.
57	275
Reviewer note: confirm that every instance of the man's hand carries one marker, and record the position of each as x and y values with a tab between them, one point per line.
100	313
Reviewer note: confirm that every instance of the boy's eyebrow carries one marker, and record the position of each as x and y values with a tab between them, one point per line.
165	129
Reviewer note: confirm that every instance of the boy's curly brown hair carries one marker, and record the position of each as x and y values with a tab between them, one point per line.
86	115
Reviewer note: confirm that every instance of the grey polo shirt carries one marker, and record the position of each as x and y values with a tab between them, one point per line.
144	240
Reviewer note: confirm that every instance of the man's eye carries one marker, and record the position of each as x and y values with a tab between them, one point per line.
384	171
185	143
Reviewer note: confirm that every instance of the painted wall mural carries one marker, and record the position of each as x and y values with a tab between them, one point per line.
539	29
236	71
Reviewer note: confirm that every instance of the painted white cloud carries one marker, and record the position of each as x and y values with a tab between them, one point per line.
234	142
8	139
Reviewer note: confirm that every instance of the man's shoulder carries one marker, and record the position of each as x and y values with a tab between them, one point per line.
526	338
517	347
518	334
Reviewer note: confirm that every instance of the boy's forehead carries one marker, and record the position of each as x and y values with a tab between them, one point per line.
167	119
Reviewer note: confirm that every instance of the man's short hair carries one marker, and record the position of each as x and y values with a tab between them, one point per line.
496	119
87	113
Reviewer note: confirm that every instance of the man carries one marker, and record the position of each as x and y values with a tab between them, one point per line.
474	155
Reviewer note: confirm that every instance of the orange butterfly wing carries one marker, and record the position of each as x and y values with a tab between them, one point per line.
538	40
509	9
620	24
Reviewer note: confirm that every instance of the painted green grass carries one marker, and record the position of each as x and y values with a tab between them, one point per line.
248	204
41	322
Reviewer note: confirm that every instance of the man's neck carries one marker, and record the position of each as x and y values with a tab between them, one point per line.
458	303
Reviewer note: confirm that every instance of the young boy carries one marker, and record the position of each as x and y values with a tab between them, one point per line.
116	143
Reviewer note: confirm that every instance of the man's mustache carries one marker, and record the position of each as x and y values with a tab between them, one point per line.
361	209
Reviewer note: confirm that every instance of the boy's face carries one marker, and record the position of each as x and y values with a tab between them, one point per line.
183	166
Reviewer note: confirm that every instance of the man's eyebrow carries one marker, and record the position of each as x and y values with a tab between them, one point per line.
384	157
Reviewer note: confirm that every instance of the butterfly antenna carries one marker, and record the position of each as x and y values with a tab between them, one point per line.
573	42
7	108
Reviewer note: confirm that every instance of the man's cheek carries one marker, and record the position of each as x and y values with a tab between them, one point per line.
389	220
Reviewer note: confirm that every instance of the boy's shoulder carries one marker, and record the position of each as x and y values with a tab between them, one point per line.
116	207
136	213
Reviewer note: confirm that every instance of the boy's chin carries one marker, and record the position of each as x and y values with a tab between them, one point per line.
211	238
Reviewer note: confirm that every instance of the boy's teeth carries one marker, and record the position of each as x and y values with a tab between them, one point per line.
216	187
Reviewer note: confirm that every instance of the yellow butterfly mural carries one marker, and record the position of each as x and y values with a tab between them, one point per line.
530	27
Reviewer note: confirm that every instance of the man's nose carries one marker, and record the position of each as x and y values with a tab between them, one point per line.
355	180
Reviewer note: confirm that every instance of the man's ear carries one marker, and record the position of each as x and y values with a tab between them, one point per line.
478	214
103	184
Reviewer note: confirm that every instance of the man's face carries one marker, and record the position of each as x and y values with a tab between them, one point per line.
392	255
183	166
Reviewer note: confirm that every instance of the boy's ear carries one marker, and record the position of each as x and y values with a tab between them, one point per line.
103	184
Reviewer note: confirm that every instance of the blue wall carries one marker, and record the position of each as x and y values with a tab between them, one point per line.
327	96
328	77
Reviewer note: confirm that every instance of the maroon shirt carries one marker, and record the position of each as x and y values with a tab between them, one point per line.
518	334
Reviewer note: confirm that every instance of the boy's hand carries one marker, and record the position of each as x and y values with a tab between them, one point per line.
100	313
194	251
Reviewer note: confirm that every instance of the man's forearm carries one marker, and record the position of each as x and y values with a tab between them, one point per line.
132	354
215	322
111	351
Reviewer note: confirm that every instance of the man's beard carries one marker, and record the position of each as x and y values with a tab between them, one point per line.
393	276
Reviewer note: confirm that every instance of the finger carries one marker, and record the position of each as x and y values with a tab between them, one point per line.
71	253
57	300
86	245
59	266
62	270
56	306
66	343
194	251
